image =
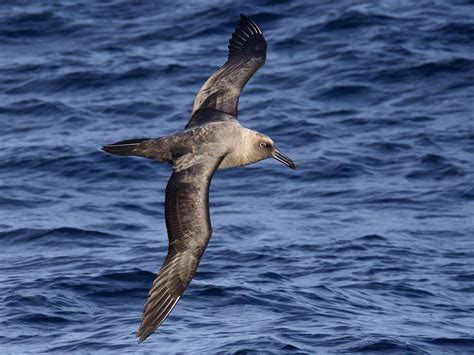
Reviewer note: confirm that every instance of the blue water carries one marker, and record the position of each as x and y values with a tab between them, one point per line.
368	247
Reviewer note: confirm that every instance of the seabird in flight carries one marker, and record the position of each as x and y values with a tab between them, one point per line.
213	139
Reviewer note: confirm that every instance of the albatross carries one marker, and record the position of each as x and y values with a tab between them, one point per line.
213	139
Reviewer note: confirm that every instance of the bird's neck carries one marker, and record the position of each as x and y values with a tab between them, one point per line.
240	152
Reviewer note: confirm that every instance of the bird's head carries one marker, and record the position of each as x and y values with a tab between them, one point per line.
264	147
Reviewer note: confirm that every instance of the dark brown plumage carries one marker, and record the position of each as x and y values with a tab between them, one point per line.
221	92
189	231
213	139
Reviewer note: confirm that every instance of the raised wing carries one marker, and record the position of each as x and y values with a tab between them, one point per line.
189	230
221	92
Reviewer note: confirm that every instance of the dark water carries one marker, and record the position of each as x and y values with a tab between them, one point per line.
368	247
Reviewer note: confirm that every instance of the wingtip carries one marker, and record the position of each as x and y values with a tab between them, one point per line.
247	22
247	39
142	334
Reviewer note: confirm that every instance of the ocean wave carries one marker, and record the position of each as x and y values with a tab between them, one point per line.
432	166
38	24
57	237
36	107
83	80
385	346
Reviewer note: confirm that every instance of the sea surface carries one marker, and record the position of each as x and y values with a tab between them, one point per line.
367	248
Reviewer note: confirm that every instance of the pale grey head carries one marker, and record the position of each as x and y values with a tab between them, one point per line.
264	147
245	147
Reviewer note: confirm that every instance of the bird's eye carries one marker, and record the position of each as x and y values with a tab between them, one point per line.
263	145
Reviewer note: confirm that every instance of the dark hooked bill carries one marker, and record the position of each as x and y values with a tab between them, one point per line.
284	159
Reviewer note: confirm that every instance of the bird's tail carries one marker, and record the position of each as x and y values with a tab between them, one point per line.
129	147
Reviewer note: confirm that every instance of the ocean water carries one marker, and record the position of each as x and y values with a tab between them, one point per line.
367	248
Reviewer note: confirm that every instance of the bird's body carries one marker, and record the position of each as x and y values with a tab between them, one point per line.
228	139
213	139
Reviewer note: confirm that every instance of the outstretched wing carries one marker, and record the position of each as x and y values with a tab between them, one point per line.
189	230
221	92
